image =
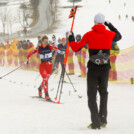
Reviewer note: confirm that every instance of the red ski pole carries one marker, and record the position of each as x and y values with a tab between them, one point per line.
72	14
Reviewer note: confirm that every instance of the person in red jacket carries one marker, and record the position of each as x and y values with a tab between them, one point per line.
99	41
30	44
45	68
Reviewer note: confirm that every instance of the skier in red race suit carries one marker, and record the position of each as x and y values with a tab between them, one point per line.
99	41
45	68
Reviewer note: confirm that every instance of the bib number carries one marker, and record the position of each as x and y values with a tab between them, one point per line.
45	56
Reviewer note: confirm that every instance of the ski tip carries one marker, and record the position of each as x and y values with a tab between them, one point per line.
58	102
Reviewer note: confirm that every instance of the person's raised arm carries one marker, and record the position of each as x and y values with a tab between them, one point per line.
53	47
31	53
76	46
112	28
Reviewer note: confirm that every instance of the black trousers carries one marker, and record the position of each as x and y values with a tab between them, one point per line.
97	80
59	59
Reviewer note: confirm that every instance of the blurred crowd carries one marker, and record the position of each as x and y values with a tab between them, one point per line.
15	53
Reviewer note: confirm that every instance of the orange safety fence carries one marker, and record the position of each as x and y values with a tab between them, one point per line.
122	62
17	57
122	65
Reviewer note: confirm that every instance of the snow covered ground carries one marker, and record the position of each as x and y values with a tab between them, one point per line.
85	18
45	17
21	112
13	15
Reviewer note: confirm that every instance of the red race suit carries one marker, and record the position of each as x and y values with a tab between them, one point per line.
45	67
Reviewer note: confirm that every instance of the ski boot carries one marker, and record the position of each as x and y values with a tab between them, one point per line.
93	127
40	91
47	97
103	125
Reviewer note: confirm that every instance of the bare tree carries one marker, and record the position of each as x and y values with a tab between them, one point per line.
3	18
25	14
20	18
11	19
74	1
34	9
29	11
53	6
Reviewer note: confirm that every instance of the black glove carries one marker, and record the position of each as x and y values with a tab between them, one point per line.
71	37
110	26
106	23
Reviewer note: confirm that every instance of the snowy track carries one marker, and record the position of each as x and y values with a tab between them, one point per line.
21	113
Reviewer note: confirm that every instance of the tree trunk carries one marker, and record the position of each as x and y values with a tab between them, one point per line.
3	27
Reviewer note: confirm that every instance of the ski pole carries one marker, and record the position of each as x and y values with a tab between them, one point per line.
62	80
72	14
57	73
37	77
11	72
71	82
67	74
79	96
58	86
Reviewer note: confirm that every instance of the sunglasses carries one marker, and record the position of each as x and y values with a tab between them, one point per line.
45	42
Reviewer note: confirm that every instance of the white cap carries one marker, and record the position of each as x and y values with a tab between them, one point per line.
99	19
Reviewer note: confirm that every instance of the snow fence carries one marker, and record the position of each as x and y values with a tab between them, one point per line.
122	62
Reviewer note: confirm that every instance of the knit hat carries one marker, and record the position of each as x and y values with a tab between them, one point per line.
78	36
63	39
99	19
53	36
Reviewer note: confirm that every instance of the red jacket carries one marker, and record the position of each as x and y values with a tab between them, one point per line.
98	38
37	50
30	46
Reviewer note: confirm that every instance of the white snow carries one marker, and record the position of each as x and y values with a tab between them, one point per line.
85	18
13	10
14	14
22	113
45	18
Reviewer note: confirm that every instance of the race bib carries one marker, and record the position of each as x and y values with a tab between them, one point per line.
45	56
61	52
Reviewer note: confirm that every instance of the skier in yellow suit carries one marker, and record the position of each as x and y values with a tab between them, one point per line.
70	57
2	54
15	52
81	56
